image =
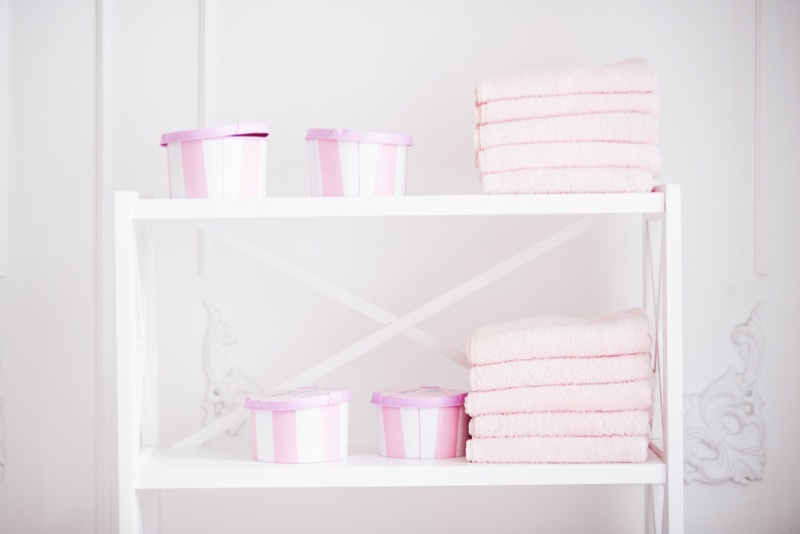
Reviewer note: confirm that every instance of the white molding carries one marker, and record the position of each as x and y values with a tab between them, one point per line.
724	426
226	388
759	193
205	76
105	475
3	137
205	85
3	186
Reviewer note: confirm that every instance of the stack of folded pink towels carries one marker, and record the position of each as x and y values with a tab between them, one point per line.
569	131
561	390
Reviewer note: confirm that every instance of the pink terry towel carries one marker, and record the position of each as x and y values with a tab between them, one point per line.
621	423
632	75
570	154
568	180
576	104
560	371
608	127
623	332
613	449
574	398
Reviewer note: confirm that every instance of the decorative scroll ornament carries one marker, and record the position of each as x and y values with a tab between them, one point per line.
227	388
724	425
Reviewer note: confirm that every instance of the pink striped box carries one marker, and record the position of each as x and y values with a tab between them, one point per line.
352	163
224	162
421	422
297	426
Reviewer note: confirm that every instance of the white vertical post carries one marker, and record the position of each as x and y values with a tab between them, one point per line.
204	98
759	192
205	72
3	137
3	182
149	359
150	509
672	302
649	510
645	261
104	297
127	361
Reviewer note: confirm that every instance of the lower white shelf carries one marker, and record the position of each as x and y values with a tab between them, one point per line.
176	468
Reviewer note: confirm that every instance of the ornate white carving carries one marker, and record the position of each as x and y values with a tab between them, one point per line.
724	425
226	388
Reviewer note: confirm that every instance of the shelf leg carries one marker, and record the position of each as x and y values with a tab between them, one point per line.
668	312
128	352
654	509
673	364
150	510
149	358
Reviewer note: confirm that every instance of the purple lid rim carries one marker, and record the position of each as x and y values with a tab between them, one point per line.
343	134
326	397
240	129
419	402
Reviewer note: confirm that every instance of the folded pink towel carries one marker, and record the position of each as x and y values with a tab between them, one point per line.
633	75
581	398
621	423
570	154
608	127
560	372
552	106
552	450
569	180
623	332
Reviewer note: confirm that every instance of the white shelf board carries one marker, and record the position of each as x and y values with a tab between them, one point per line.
206	467
399	206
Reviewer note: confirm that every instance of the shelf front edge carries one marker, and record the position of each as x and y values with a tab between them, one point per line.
220	468
400	206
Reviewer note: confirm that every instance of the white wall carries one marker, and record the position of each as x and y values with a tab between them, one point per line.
404	68
47	380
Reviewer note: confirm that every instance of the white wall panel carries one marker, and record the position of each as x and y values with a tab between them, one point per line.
47	379
772	504
153	88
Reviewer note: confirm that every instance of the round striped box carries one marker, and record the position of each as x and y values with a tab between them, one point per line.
302	425
421	422
223	162
353	163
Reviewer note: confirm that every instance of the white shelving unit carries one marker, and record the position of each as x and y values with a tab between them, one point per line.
145	464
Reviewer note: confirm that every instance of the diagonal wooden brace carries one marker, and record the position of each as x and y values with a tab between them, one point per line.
405	322
337	293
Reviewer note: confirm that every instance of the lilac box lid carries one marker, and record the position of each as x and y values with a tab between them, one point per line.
343	134
422	397
240	129
295	399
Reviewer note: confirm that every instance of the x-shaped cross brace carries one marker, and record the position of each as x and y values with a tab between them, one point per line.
393	325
